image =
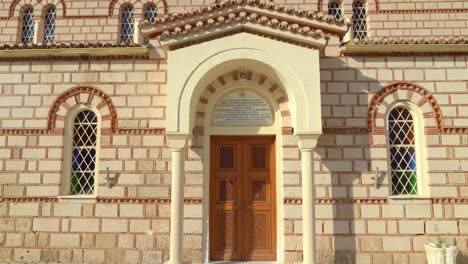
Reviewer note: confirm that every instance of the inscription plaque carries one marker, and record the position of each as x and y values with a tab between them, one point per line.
242	108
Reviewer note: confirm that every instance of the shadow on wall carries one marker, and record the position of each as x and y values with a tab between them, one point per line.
346	171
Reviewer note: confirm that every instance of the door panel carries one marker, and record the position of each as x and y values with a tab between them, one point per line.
242	199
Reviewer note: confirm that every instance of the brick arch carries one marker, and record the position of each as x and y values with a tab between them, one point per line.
379	103
79	95
38	5
115	5
262	81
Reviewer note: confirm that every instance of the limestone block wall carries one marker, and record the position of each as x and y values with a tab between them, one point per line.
86	20
358	222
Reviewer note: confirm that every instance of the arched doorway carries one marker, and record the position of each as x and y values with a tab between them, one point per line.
240	122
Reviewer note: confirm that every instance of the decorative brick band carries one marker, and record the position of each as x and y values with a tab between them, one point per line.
378	98
108	200
161	5
351	200
450	200
141	131
76	92
339	201
292	201
133	200
416	11
29	199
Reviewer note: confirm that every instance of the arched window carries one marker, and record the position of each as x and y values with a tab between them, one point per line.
149	13
84	149
359	19
127	24
49	24
335	9
27	30
404	140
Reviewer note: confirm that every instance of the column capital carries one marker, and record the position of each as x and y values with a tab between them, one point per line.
307	141
178	141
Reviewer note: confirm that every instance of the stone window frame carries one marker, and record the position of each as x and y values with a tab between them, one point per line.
419	145
362	34
68	149
31	37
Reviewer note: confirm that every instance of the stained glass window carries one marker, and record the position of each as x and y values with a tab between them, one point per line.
334	9
150	14
359	19
84	148
49	25
127	24
28	26
401	139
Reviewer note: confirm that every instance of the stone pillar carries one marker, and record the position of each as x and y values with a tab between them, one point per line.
177	144
307	144
37	31
136	32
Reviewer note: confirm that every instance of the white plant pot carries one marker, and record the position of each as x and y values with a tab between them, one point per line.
444	255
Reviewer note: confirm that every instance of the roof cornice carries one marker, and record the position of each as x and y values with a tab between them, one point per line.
261	18
404	46
82	50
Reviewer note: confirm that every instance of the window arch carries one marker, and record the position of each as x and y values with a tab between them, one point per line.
127	24
49	24
335	9
150	13
359	19
27	28
404	139
83	132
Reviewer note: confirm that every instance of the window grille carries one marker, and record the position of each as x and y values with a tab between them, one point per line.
359	19
49	25
334	9
28	26
84	148
401	139
150	14
127	26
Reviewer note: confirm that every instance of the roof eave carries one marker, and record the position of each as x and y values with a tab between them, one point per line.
181	40
388	49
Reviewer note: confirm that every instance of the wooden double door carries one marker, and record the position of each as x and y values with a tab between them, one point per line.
242	198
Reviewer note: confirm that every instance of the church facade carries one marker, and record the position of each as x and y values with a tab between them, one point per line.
198	131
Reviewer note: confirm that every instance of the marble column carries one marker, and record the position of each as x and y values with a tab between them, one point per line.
178	145
307	144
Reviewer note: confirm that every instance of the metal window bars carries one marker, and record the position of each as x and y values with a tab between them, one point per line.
27	33
359	19
149	14
84	148
127	24
335	9
49	24
401	139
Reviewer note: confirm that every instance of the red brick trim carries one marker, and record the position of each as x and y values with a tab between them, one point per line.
113	2
21	131
11	12
380	95
141	131
75	92
351	200
292	201
100	200
450	200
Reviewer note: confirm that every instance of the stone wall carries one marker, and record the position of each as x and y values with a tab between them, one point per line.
85	20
